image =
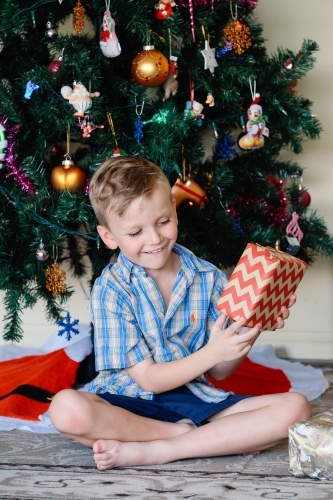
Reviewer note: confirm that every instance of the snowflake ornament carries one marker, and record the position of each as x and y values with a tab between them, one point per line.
68	327
138	129
239	35
209	57
225	148
237	226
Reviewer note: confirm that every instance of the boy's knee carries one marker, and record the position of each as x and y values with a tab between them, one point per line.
304	407
64	410
299	407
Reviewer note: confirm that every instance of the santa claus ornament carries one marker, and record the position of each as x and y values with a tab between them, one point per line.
164	9
109	43
256	128
79	97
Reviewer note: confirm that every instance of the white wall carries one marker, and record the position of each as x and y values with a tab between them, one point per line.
309	331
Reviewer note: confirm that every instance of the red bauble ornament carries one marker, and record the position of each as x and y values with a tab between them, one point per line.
150	67
54	66
304	198
68	176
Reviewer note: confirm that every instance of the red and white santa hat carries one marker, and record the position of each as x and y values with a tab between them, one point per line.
255	106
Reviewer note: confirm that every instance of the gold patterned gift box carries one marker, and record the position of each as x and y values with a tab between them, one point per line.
311	447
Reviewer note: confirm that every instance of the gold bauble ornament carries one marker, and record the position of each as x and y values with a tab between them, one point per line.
189	191
68	176
150	67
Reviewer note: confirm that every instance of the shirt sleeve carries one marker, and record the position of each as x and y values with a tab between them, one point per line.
220	282
118	340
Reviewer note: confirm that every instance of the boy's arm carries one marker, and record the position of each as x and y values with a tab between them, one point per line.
224	346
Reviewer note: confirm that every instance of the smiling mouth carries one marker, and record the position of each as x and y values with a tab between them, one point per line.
154	252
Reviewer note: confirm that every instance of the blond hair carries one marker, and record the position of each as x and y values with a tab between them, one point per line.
119	180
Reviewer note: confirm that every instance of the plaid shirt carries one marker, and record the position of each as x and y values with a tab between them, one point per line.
131	323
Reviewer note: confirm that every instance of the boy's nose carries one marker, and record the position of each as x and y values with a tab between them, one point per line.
154	237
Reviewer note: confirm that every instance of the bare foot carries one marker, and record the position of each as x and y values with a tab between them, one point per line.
109	453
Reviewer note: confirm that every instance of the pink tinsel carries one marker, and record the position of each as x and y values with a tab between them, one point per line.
251	4
198	3
18	173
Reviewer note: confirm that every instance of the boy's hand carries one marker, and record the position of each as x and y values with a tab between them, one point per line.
226	344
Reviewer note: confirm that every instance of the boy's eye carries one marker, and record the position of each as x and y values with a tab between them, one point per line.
164	222
134	234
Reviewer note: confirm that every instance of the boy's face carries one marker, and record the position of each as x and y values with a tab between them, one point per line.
147	232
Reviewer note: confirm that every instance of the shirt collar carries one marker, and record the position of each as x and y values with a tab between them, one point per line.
189	263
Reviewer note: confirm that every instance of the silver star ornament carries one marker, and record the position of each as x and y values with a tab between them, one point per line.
209	56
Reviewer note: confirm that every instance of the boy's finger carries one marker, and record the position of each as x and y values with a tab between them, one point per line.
285	312
292	300
236	326
221	320
251	334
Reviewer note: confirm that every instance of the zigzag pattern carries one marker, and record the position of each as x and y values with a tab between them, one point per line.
262	282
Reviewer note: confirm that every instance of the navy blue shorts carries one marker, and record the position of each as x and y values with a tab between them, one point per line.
172	406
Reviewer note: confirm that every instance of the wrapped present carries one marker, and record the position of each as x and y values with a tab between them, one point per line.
311	447
262	282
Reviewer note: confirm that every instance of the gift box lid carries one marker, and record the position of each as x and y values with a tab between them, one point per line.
262	282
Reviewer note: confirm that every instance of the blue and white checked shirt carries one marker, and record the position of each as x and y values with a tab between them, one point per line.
131	323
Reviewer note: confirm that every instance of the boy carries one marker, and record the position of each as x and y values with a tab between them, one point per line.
157	333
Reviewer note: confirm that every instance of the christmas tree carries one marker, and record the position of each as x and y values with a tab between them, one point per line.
161	80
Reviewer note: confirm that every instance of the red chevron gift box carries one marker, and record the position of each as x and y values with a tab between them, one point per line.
262	282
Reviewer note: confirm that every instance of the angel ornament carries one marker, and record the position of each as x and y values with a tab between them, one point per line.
109	43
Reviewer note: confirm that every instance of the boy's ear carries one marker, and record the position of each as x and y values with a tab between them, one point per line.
106	237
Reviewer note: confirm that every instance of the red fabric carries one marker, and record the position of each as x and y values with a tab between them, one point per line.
28	384
255	380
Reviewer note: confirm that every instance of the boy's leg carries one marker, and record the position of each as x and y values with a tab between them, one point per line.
252	424
86	418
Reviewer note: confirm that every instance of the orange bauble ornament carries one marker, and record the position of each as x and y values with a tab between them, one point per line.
150	67
188	191
68	176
